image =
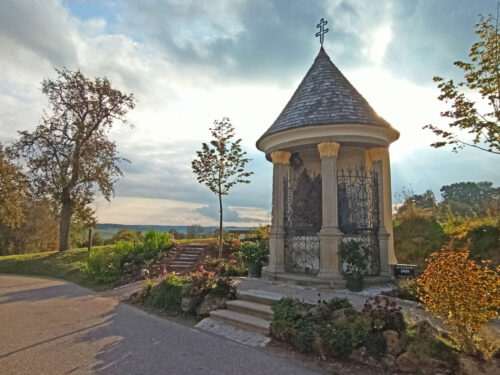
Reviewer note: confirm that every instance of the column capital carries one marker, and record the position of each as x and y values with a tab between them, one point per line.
377	153
328	149
280	157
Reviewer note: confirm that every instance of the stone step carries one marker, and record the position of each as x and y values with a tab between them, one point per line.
259	296
233	333
191	256
183	264
184	258
250	308
244	321
193	252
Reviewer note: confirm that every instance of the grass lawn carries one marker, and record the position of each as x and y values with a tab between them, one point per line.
68	265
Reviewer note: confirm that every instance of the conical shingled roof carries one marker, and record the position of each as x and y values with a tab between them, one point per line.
325	97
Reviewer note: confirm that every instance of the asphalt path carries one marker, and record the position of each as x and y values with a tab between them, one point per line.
55	327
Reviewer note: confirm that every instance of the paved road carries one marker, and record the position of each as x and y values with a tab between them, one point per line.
54	327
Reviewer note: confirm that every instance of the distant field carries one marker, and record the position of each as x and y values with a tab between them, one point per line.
107	233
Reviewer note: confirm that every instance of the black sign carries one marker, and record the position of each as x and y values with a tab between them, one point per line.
405	270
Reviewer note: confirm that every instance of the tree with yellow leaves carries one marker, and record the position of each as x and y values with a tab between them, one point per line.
465	294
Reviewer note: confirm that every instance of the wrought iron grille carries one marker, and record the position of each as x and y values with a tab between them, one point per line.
303	220
358	209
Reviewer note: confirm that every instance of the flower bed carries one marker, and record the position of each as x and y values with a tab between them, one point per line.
376	336
197	293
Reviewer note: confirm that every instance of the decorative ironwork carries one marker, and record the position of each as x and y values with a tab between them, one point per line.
358	208
322	31
303	218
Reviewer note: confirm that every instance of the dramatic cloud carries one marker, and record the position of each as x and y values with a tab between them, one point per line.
190	62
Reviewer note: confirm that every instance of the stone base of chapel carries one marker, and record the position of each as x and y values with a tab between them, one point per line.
335	282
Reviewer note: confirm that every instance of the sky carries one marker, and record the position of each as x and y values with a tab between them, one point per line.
190	62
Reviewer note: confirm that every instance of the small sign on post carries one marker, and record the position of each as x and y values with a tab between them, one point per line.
405	270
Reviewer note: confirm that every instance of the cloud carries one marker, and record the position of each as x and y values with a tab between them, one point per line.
429	35
190	62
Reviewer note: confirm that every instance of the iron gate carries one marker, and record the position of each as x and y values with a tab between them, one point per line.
303	220
358	210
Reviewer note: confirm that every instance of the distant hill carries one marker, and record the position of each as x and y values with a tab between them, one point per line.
109	230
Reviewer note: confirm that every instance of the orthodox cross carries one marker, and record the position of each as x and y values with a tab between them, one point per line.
322	31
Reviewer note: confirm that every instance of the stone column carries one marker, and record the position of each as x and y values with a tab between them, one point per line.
280	161
379	158
330	235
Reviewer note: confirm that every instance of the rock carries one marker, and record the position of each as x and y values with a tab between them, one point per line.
144	273
394	346
211	303
344	315
471	366
189	304
425	329
389	361
360	355
409	362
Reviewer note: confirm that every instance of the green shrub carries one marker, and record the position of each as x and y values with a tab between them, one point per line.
483	239
254	252
123	247
336	341
167	294
103	265
286	312
417	234
359	330
304	335
156	241
375	345
423	342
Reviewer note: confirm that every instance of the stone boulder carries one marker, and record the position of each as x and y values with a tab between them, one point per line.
471	366
211	303
394	345
189	304
412	363
425	329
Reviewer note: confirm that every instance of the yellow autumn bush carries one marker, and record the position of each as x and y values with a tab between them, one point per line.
464	293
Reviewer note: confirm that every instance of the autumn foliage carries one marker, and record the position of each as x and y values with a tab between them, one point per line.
465	294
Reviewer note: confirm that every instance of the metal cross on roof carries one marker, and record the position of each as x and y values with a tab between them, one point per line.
322	31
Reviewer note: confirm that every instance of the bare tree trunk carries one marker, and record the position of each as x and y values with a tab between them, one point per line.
90	243
220	226
64	223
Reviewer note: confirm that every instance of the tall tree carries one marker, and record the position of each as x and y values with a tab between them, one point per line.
221	164
69	154
469	198
482	79
13	191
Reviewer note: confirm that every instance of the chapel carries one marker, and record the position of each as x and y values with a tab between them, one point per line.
331	180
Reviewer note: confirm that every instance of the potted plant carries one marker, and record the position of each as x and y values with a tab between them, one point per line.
254	254
354	263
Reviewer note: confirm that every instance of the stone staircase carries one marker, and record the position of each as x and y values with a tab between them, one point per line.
188	258
246	319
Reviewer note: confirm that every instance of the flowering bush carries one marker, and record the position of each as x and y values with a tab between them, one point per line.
462	292
385	314
226	267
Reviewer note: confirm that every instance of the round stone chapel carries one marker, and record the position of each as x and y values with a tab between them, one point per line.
331	181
